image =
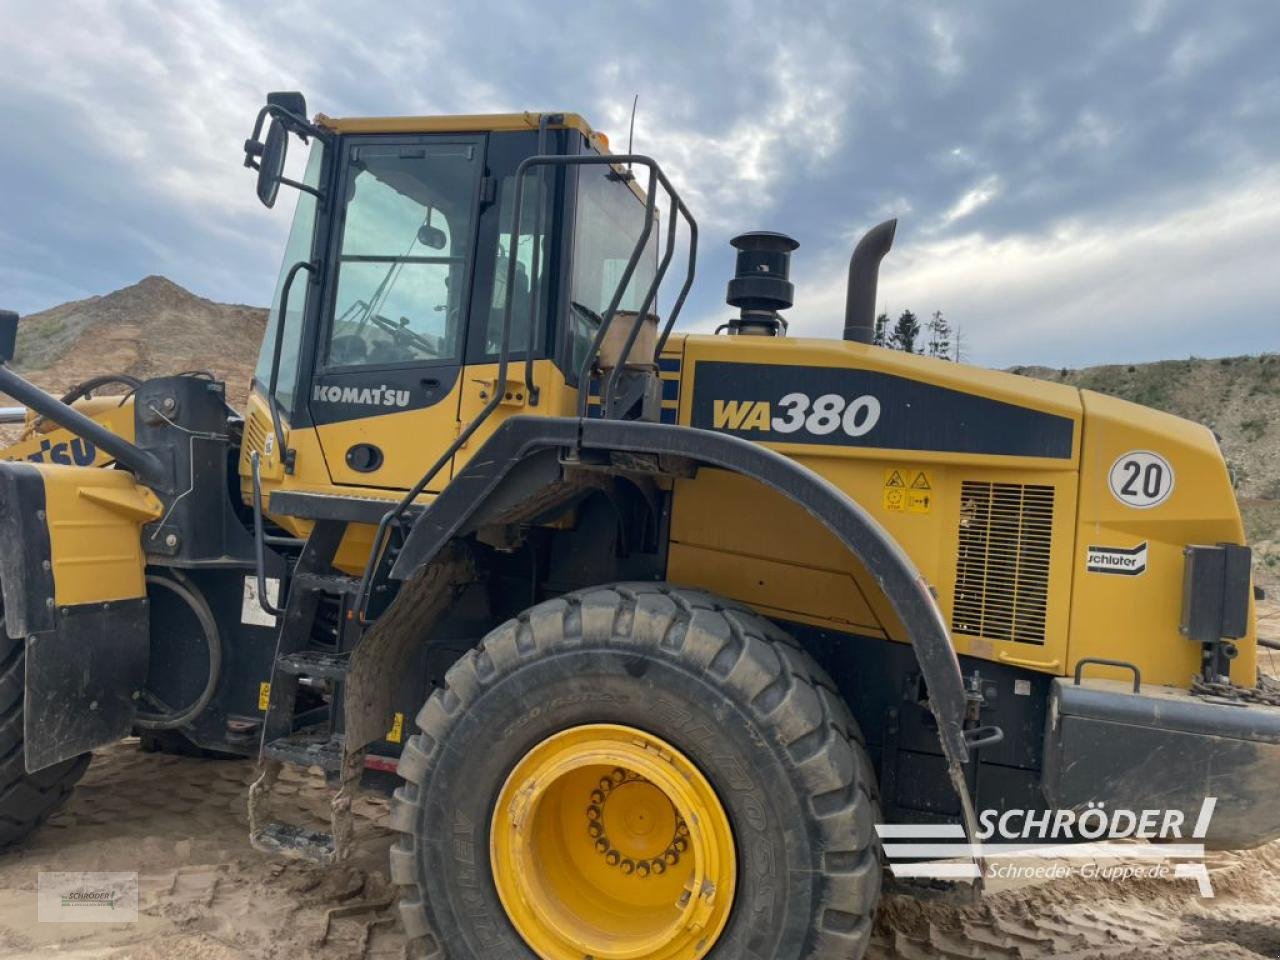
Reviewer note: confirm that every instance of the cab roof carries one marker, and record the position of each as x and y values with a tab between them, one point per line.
461	123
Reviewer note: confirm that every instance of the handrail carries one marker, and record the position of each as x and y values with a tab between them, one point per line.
677	206
273	380
504	353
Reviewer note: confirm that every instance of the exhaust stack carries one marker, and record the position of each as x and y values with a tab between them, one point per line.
864	271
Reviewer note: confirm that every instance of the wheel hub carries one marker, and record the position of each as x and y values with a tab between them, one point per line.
608	843
633	825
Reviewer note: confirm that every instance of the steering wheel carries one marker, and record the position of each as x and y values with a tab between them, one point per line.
85	389
402	334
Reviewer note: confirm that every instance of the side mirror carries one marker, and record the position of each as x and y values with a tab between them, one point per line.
271	162
8	334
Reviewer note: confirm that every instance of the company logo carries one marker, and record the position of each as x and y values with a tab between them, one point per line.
379	396
90	897
1116	560
825	415
1055	844
77	451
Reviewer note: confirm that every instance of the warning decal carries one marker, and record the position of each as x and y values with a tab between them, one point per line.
1116	560
396	733
908	490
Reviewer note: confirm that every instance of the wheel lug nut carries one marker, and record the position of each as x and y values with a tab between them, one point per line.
618	775
606	784
681	845
593	812
671	857
642	869
628	867
597	796
612	858
602	845
595	830
659	867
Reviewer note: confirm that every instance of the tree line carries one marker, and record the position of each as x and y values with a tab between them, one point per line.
934	338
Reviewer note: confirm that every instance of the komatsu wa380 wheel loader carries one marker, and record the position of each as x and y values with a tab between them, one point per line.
649	630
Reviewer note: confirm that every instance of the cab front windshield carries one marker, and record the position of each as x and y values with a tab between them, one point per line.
404	254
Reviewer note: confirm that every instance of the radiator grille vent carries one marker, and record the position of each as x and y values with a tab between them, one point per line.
255	433
1002	565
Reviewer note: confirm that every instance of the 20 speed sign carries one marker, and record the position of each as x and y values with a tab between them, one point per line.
1141	479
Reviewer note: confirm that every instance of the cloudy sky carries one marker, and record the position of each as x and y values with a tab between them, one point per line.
1076	182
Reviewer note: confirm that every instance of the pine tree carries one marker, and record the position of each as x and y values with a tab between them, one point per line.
905	332
939	336
882	321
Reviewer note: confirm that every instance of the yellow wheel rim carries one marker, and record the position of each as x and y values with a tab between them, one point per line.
608	843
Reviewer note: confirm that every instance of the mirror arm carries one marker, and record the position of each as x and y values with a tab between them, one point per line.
300	125
301	186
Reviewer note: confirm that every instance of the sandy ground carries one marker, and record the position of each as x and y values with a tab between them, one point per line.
206	895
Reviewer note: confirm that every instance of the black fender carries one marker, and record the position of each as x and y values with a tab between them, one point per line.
523	456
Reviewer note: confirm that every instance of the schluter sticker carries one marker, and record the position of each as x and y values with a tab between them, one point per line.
1118	561
1141	479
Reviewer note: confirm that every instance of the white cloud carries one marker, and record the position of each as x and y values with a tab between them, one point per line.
1183	281
726	172
972	200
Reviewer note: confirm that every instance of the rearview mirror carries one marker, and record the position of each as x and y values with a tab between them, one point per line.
271	162
8	334
432	237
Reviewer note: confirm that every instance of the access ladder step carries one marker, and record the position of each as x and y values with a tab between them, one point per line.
317	664
294	841
323	750
326	583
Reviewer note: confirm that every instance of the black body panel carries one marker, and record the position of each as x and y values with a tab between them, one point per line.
914	415
81	680
1165	750
26	573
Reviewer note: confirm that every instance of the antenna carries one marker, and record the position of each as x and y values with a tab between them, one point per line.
631	134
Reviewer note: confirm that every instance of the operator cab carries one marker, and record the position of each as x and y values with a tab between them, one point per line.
386	329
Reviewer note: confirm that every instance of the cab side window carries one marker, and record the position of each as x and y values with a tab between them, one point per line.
610	219
534	232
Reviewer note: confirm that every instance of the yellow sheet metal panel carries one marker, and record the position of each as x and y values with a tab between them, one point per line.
410	441
49	443
1150	484
94	519
929	501
480	382
460	123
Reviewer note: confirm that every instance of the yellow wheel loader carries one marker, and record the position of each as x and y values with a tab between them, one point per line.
648	632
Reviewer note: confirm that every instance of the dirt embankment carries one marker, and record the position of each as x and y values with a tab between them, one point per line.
150	329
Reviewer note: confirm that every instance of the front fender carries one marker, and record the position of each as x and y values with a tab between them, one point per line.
72	574
519	439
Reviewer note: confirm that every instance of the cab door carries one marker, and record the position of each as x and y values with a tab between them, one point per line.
385	395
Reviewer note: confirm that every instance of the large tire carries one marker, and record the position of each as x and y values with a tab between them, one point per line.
755	714
26	799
